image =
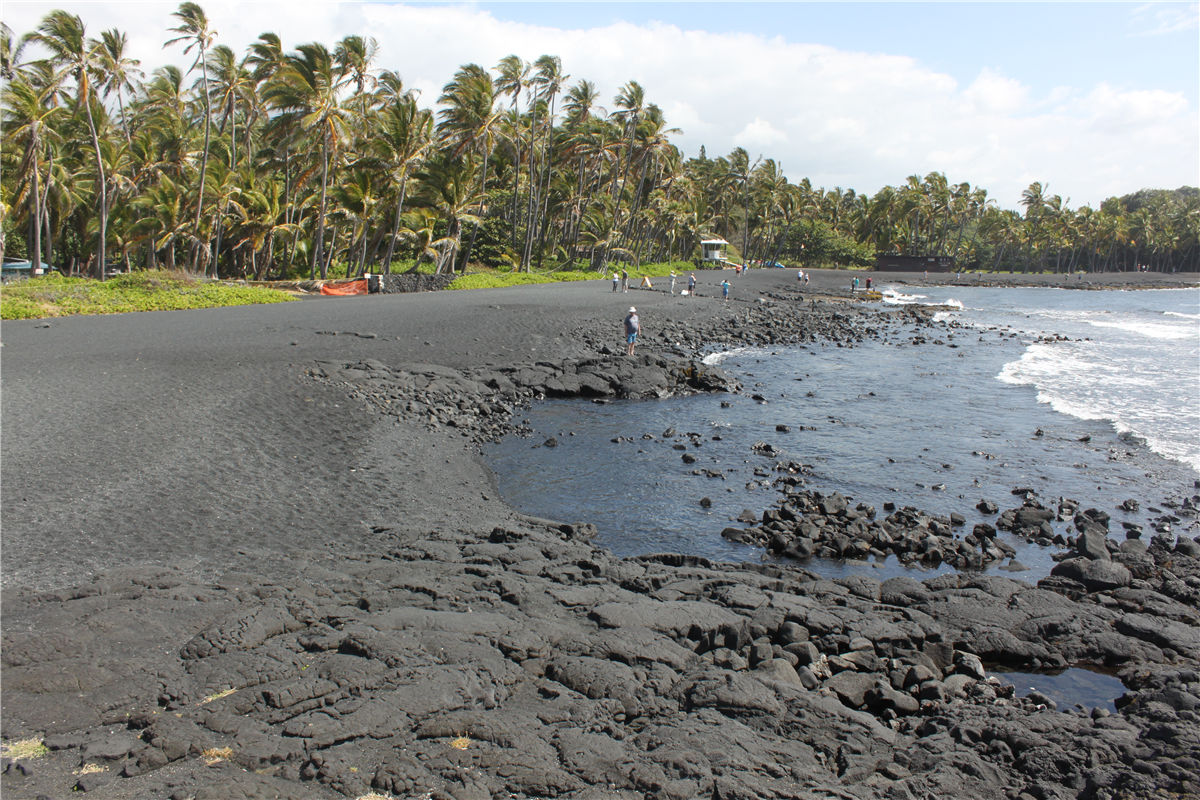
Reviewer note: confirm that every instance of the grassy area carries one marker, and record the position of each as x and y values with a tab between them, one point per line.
497	280
57	296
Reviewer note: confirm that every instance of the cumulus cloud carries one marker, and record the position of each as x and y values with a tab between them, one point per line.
759	133
857	120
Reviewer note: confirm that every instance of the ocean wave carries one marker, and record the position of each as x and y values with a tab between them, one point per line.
1078	380
1180	314
1152	330
895	297
712	359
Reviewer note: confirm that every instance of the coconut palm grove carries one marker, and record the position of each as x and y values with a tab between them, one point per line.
280	163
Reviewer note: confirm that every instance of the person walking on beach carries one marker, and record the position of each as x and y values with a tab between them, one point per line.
868	284
725	290
633	327
616	280
672	283
854	284
692	284
625	281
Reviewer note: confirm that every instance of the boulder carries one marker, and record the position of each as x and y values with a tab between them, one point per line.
1095	575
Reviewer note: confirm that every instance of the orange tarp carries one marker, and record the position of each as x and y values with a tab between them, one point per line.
352	287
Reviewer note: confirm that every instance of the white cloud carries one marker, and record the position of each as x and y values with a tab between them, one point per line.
851	119
992	93
759	133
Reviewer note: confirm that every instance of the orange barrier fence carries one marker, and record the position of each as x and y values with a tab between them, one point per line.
352	287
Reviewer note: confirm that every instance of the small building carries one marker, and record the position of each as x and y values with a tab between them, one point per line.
892	262
712	251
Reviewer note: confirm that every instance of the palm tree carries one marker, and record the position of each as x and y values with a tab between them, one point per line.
354	56
305	91
75	56
121	73
404	137
194	31
549	79
30	113
449	187
468	122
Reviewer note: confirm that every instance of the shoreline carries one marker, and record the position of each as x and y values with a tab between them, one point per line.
338	598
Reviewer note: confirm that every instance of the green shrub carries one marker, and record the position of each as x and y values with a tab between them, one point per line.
156	290
499	280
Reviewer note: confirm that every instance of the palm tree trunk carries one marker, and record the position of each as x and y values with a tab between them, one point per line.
319	244
387	264
101	182
36	198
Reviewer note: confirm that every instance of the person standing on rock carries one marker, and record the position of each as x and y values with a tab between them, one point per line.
633	327
692	284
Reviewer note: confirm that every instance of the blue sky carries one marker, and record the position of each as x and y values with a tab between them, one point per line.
1091	99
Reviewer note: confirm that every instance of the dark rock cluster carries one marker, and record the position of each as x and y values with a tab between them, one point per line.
528	664
808	523
411	282
480	402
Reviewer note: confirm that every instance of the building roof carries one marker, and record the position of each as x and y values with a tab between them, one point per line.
713	241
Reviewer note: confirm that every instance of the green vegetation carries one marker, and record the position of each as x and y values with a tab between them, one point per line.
316	161
56	296
497	280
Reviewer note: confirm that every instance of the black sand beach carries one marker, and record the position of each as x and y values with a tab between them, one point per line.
252	552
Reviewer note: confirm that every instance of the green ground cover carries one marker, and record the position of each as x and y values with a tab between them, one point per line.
57	296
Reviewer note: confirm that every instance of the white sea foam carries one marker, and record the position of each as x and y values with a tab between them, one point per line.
893	296
1152	330
1103	381
714	359
1180	314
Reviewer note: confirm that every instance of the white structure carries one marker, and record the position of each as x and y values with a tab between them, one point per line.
712	250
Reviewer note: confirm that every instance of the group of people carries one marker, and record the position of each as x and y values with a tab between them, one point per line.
633	325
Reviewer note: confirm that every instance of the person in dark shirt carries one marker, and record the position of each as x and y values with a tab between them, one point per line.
633	327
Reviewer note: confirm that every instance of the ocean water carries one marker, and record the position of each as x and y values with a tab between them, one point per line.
1089	395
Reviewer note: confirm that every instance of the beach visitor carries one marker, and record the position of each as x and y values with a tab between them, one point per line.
800	275
854	284
672	283
725	290
692	284
868	284
806	279
625	280
616	280
633	327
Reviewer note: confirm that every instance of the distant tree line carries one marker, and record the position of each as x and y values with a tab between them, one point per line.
276	162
